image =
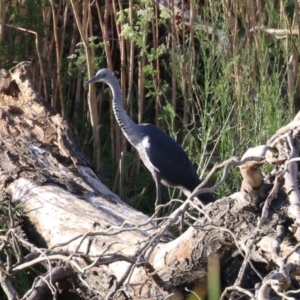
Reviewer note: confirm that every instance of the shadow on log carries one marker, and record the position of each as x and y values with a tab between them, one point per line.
85	232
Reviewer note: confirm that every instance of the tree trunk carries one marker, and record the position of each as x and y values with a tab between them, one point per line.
77	227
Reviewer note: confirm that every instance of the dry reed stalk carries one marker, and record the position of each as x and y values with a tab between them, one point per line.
289	57
49	46
252	9
141	77
120	142
63	40
74	39
156	63
130	61
253	37
78	80
3	4
45	53
296	24
192	61
107	40
296	19
185	72
63	32
122	45
81	25
77	113
89	28
237	78
104	30
173	54
58	45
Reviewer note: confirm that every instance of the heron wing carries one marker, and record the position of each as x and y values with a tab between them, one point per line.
167	156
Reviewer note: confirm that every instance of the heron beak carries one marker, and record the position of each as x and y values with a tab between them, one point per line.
94	79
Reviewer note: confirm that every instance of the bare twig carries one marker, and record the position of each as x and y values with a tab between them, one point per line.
58	273
37	44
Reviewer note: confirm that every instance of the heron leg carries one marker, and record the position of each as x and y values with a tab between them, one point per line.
157	179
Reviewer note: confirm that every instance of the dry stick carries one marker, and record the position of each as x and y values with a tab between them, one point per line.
215	143
46	258
279	33
242	270
295	248
185	72
297	25
233	161
37	44
3	4
89	30
274	277
151	242
78	81
118	284
8	260
274	280
46	50
173	55
115	137
251	10
58	46
122	45
291	60
99	261
141	77
284	14
28	244
58	273
238	288
104	30
278	260
130	62
91	72
295	22
272	195
247	257
191	66
46	11
6	285
156	62
155	238
63	33
290	73
253	22
90	288
119	142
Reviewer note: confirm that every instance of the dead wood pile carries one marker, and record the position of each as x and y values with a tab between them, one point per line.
84	235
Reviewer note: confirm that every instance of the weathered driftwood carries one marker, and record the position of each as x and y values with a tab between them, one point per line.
72	220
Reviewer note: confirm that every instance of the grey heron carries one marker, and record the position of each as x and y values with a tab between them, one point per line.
162	156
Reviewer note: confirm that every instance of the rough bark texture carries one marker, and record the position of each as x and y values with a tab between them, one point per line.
113	249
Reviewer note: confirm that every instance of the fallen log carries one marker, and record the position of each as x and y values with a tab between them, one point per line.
76	227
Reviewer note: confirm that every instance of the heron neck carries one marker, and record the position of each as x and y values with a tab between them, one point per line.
127	126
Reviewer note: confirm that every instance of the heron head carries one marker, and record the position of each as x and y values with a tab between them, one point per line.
101	75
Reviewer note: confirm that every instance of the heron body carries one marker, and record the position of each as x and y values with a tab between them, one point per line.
161	155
